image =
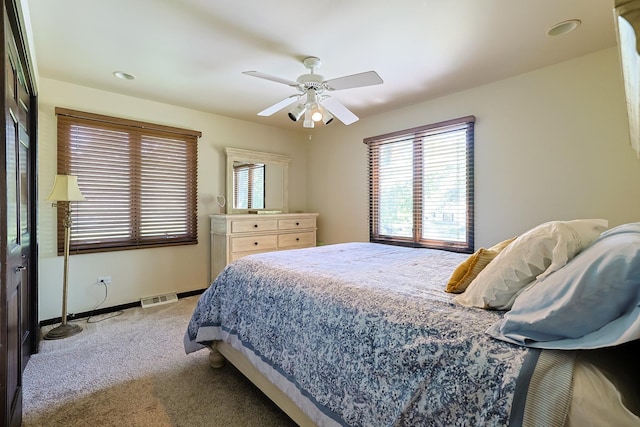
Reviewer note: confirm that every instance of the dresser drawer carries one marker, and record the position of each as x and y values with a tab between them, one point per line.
245	226
295	223
254	243
296	239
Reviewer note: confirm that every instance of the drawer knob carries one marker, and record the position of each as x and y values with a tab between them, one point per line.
297	239
255	225
255	243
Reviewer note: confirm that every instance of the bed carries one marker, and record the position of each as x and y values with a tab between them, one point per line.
364	334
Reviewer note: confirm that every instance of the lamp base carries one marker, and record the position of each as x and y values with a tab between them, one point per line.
63	331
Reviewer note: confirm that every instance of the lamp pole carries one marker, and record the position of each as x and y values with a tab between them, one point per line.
65	277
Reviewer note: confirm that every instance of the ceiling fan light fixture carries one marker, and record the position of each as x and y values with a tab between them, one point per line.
297	112
316	114
327	117
308	121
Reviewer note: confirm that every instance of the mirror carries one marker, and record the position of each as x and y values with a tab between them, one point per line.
256	180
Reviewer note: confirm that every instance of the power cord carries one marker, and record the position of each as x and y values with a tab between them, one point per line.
106	293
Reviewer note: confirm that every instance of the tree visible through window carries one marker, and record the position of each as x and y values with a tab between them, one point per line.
139	179
421	186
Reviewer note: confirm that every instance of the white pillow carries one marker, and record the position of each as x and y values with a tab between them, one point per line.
533	255
593	302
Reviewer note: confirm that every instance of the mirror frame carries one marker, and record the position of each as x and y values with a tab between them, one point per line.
238	154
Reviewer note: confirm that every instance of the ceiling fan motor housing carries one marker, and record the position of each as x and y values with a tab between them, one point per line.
311	81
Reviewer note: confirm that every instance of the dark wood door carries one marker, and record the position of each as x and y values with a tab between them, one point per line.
14	268
18	292
25	210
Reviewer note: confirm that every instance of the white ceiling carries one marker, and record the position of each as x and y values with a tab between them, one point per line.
191	53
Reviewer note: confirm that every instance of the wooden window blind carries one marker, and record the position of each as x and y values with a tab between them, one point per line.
139	179
421	186
248	185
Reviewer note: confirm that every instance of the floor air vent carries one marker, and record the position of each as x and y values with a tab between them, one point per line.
158	300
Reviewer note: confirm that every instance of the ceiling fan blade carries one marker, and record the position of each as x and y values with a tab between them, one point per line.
339	111
272	78
367	78
279	105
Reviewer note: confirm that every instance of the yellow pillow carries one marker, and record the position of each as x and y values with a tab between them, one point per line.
472	266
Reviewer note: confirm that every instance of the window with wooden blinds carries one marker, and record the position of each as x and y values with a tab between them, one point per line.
421	186
139	179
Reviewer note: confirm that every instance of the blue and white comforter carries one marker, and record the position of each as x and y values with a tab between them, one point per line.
363	334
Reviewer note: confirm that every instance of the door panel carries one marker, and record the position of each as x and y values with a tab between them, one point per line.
24	206
14	271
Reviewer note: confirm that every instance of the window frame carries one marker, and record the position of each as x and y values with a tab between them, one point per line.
140	136
415	136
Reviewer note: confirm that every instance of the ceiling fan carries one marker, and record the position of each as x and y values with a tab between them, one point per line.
313	101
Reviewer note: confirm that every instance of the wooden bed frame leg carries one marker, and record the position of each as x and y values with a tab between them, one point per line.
216	359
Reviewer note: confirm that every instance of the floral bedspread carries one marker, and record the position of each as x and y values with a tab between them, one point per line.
363	334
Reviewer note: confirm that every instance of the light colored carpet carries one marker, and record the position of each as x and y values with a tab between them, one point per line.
132	370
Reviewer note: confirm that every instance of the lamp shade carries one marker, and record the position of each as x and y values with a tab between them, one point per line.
65	189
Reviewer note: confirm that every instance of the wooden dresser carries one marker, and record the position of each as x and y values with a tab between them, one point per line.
238	235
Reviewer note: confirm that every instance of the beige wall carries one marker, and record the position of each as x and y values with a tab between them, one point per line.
146	272
550	144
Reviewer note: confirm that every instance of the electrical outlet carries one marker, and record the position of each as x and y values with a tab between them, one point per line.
106	280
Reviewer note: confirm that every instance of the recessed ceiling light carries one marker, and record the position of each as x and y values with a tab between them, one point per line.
564	27
124	76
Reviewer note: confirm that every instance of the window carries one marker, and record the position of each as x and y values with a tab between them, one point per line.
421	186
248	179
139	179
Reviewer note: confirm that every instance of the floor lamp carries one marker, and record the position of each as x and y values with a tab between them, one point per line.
65	190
